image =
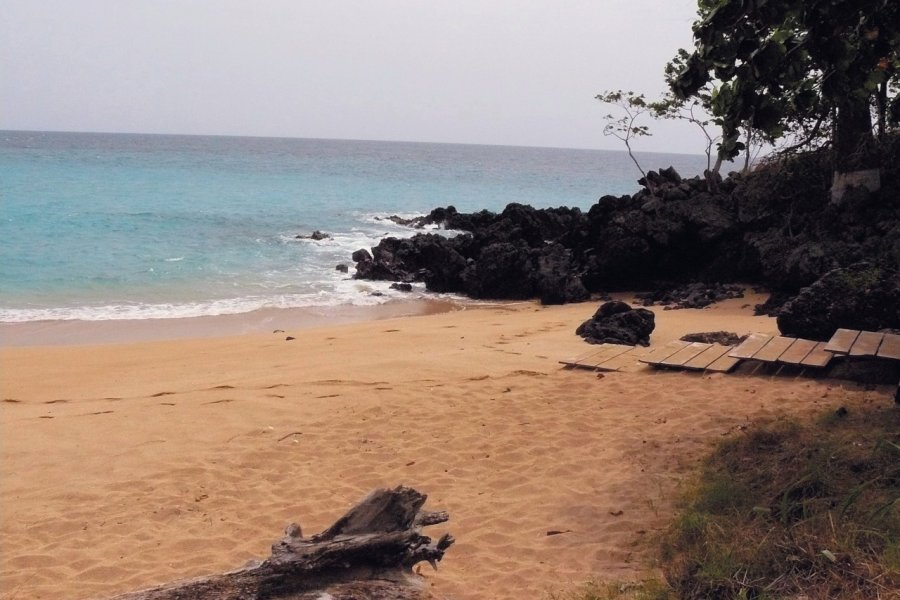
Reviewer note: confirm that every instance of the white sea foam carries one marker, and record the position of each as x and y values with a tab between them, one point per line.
345	292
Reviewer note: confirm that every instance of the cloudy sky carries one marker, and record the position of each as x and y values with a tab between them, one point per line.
514	72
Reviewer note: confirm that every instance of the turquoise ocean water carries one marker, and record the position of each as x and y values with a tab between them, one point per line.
122	226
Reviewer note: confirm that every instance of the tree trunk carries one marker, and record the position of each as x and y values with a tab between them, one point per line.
368	554
856	161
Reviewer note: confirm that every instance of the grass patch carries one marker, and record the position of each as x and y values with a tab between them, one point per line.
790	509
652	589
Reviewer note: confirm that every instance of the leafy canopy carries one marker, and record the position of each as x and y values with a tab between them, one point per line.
785	65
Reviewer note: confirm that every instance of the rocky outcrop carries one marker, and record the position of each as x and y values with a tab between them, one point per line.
775	226
862	296
616	322
725	338
316	236
692	295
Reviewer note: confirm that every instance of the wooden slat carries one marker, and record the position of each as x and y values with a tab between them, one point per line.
775	348
707	357
723	364
818	356
842	341
609	351
890	347
866	344
797	352
623	360
750	346
578	360
684	355
663	352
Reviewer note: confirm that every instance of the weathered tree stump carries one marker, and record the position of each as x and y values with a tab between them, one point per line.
367	554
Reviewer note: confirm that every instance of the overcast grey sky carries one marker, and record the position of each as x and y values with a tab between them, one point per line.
517	72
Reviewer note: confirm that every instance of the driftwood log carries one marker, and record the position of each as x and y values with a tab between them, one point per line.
368	554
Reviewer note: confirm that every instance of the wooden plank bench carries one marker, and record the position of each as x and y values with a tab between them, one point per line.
798	351
784	350
707	357
597	356
623	360
715	359
689	356
773	350
750	346
890	347
657	355
685	354
866	344
842	341
819	357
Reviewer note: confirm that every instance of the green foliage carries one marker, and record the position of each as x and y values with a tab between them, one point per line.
651	589
631	108
786	66
790	509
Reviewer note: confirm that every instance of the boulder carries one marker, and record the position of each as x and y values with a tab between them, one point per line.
401	287
861	296
342	268
315	235
616	322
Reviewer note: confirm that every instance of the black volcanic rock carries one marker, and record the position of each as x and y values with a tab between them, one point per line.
725	338
315	236
774	226
692	295
617	323
861	296
503	270
557	279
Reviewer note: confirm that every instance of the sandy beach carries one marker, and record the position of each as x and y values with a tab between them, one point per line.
128	465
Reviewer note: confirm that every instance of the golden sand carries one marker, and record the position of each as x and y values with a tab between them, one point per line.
129	465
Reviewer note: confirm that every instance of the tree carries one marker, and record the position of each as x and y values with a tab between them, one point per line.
792	65
626	127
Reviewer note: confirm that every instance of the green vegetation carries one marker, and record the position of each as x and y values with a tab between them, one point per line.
794	66
818	74
785	511
644	590
789	509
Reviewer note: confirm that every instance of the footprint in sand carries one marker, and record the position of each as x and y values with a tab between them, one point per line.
12	401
58	401
223	401
158	394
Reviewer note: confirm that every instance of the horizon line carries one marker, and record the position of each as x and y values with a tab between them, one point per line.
289	137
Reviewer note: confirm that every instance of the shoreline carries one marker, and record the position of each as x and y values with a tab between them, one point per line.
76	332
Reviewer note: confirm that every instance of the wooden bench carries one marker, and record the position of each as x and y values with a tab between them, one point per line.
865	344
691	356
605	357
783	350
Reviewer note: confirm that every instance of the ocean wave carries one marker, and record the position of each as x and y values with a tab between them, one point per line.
347	292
